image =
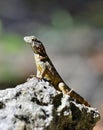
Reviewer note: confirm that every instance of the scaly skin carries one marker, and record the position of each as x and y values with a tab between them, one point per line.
46	70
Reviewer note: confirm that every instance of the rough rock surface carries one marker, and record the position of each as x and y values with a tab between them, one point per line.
36	105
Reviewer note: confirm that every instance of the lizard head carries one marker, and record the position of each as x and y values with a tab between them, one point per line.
36	45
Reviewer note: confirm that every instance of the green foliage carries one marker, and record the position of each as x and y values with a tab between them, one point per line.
11	42
10	45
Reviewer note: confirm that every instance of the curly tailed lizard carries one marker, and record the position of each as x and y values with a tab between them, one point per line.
46	70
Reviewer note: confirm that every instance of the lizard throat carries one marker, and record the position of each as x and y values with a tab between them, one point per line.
40	58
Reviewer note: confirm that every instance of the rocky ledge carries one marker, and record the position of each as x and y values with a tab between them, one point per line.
36	105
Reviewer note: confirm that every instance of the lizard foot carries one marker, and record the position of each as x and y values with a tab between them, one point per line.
65	90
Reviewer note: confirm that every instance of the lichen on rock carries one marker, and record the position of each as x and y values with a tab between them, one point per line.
36	105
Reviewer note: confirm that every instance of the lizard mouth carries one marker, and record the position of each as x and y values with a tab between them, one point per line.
33	41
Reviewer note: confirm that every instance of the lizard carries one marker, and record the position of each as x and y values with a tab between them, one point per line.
47	71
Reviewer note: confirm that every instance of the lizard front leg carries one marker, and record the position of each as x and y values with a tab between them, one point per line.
42	70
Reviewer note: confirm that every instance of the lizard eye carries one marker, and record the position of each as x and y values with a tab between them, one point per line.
33	40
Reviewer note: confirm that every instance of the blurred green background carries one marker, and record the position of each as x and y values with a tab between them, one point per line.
72	31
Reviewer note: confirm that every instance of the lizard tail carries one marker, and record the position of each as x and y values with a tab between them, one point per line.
79	99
